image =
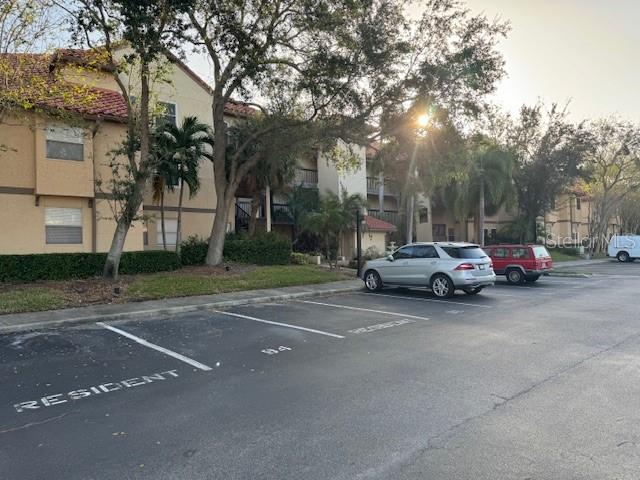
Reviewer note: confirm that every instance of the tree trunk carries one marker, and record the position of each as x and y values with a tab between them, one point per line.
410	215
381	193
112	264
218	231
253	217
481	214
179	222
140	173
164	229
328	249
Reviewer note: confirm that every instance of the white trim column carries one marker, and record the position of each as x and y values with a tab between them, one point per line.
267	202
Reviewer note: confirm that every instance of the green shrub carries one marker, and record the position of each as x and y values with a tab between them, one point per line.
262	249
149	261
194	251
63	266
299	258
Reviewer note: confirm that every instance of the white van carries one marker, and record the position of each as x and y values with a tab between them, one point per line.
626	248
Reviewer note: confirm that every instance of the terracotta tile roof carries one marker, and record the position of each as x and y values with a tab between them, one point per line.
372	149
376	224
32	78
25	70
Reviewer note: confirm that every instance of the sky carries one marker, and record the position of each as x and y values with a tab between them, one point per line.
582	51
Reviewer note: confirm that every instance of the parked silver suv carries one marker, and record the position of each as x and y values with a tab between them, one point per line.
441	266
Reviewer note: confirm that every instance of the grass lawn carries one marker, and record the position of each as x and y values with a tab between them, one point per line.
30	300
181	283
560	256
166	285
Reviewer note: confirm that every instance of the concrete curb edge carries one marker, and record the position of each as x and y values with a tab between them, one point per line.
145	314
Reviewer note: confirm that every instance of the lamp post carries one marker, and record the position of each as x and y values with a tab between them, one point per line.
358	242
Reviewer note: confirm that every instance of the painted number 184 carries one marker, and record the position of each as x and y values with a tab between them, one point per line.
273	351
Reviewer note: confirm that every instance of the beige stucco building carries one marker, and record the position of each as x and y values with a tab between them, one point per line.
49	186
52	166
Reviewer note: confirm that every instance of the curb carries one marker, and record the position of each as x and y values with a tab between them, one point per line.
569	275
145	314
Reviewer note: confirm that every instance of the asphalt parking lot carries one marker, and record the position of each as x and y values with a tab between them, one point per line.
538	381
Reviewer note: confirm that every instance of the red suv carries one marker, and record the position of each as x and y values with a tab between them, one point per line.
520	263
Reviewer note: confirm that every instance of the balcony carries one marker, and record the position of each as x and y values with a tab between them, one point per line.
306	177
281	214
390	216
373	184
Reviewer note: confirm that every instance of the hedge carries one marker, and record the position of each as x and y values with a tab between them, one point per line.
261	249
193	251
63	266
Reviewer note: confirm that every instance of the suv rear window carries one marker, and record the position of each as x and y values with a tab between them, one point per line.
464	252
540	252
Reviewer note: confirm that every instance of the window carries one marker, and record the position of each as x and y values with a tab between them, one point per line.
424	251
464	252
578	203
63	225
540	252
501	252
170	230
169	114
451	235
403	253
520	253
424	215
439	232
65	143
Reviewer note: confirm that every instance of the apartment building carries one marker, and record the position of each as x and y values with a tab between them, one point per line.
52	163
52	167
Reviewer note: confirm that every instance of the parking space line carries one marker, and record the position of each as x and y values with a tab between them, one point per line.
279	324
426	299
153	346
396	314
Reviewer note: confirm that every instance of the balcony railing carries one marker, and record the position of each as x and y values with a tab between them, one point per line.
281	213
390	216
373	186
306	177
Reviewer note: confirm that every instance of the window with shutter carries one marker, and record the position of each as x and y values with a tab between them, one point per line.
63	225
65	143
170	229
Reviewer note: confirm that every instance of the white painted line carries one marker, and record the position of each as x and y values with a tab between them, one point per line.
364	309
287	325
381	326
426	300
166	351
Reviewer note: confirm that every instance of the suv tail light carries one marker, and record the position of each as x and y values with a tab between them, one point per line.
465	266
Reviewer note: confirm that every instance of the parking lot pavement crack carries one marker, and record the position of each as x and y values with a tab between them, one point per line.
412	457
34	424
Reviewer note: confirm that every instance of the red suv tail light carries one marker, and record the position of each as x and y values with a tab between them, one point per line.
465	266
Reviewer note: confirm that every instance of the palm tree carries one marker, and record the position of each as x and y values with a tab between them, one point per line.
183	147
335	215
301	201
164	178
482	186
270	172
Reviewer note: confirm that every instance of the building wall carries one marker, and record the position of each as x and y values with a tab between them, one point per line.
377	240
353	180
31	182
